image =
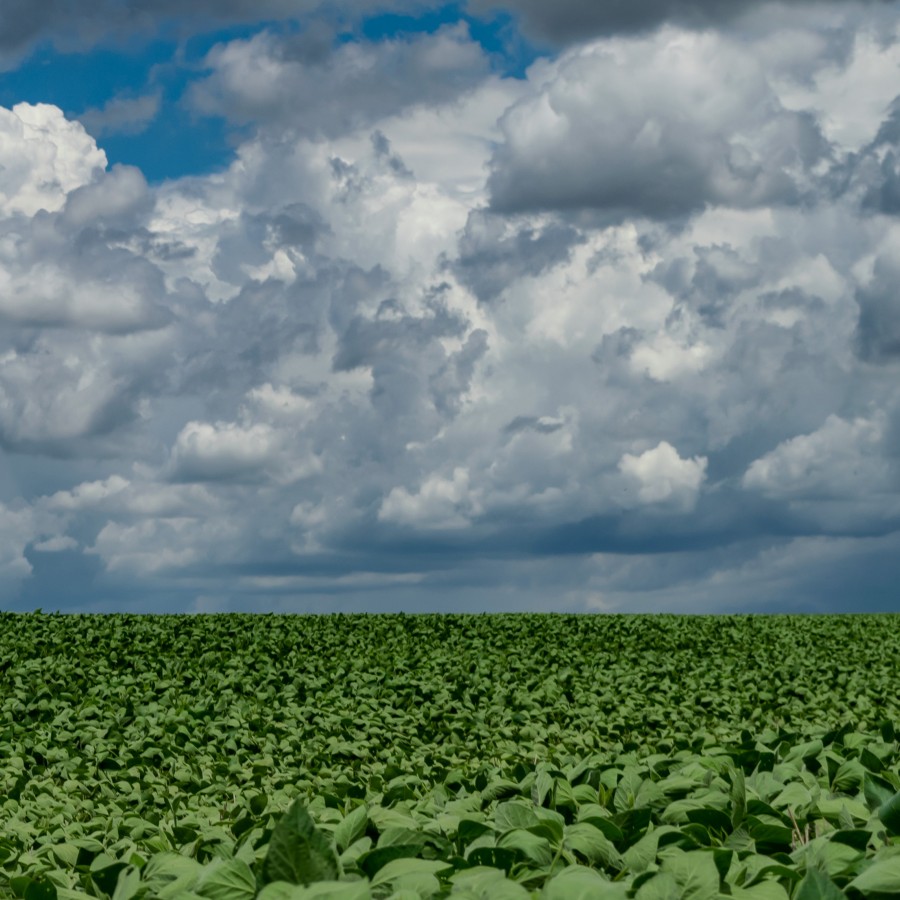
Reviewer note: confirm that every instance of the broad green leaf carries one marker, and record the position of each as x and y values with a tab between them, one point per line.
533	848
374	860
587	840
324	890
496	857
816	885
738	796
514	814
164	867
487	884
129	884
67	854
889	813
878	791
298	852
661	886
882	876
832	857
695	873
579	883
765	890
401	868
231	880
41	890
351	828
278	890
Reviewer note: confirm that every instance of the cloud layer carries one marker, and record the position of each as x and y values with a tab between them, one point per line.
622	334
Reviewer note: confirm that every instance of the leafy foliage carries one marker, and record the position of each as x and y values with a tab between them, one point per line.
477	757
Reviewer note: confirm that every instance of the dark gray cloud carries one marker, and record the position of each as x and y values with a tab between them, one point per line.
569	21
659	127
320	89
878	328
495	252
72	26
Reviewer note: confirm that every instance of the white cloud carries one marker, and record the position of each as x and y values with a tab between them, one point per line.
840	459
664	477
43	156
850	96
88	494
151	546
663	358
205	451
658	126
439	503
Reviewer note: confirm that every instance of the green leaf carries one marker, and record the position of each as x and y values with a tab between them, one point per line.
324	890
373	860
883	877
469	830
765	890
877	791
889	813
40	889
580	883
533	848
495	857
278	890
488	884
403	868
592	844
816	885
515	814
661	886
67	854
227	880
713	819
695	873
738	796
298	852
858	838
351	828
128	885
106	877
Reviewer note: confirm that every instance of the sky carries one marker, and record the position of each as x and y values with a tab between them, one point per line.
484	307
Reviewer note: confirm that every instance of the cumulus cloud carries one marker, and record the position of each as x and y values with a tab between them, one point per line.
660	126
662	476
210	452
842	459
302	81
43	156
440	502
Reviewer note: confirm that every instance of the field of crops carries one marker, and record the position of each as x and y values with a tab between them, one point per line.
490	757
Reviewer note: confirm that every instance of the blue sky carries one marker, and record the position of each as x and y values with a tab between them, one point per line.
488	306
